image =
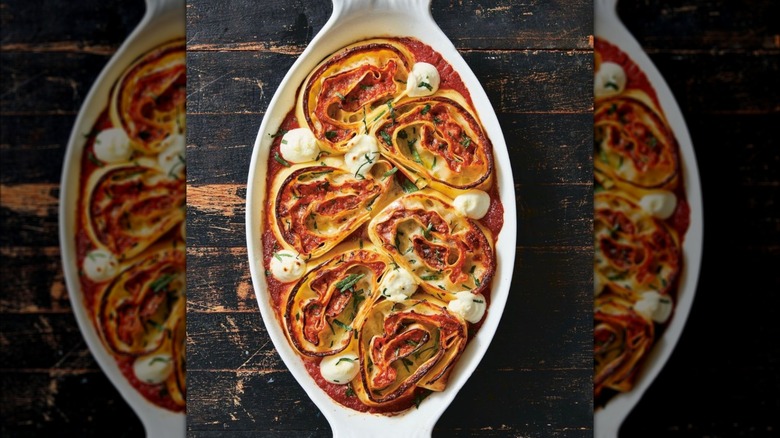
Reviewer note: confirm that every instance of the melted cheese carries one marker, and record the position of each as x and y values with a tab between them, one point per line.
153	369
299	146
113	146
171	159
363	153
469	306
473	204
660	203
609	80
339	369
654	306
100	265
423	80
398	284
287	266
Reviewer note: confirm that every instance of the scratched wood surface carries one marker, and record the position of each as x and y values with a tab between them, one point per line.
721	60
52	51
535	62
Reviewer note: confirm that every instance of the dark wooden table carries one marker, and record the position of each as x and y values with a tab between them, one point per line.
721	59
535	62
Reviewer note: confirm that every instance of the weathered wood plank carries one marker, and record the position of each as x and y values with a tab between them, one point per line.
34	280
47	25
59	346
218	280
34	147
515	81
47	83
703	26
53	404
469	24
733	83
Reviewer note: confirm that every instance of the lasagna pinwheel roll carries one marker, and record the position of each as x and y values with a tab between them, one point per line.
330	302
439	139
148	100
633	142
404	346
622	338
140	310
346	91
129	207
316	207
445	250
634	252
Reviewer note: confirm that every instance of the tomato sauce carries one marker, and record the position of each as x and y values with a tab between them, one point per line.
91	291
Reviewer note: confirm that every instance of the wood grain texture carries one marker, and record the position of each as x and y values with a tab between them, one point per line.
50	53
722	60
535	62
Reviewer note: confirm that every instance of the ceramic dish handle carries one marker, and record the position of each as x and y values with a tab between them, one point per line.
606	11
349	7
157	7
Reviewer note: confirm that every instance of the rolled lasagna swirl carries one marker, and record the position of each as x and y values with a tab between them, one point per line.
330	302
132	206
633	142
634	251
640	220
446	251
148	101
405	346
438	139
350	87
130	233
317	207
141	313
622	339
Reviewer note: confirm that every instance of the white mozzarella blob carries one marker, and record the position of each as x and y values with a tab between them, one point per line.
171	159
339	369
113	146
362	154
473	204
423	80
153	369
398	284
100	265
660	204
299	146
469	306
654	306
609	80
287	266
